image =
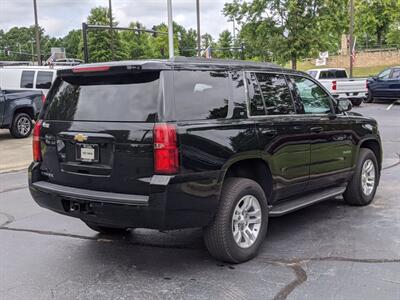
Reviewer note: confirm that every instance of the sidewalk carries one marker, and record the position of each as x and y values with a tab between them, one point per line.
15	154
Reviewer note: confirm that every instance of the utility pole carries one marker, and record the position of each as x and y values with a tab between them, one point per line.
39	59
85	42
33	55
234	29
170	30
111	30
198	28
351	36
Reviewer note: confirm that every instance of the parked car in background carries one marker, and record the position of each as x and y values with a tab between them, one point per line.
67	62
340	85
385	86
27	77
18	108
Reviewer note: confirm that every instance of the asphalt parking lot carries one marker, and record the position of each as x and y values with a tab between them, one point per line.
328	251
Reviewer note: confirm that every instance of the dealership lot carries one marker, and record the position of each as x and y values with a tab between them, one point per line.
328	251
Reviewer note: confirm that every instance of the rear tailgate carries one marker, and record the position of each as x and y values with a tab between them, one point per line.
97	131
351	86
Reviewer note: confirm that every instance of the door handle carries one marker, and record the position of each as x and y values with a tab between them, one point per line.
317	129
269	131
297	127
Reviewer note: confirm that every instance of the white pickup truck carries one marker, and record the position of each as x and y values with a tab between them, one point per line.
340	85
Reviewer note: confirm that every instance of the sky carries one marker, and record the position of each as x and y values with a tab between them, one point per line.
58	17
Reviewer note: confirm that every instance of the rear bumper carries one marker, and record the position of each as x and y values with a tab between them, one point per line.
173	202
351	95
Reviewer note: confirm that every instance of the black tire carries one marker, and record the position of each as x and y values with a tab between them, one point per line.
105	229
218	236
25	128
354	194
356	101
369	98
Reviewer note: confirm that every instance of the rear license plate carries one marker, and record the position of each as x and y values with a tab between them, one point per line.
87	152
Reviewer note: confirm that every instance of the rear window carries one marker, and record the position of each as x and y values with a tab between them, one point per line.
124	98
332	74
27	79
201	95
43	80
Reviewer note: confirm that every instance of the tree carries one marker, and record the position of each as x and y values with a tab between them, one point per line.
18	41
225	43
99	41
136	44
393	36
288	29
71	43
206	40
376	18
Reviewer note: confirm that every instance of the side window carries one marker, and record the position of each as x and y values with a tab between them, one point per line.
201	95
238	96
27	79
313	74
256	101
385	74
314	99
43	80
396	74
276	94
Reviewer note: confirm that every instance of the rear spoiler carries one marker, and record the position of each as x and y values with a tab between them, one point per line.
108	69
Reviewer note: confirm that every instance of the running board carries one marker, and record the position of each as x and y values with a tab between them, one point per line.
304	201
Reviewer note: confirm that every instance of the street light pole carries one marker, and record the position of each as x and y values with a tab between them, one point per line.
39	59
170	30
351	36
198	28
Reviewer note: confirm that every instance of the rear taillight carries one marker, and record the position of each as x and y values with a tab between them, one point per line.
37	155
43	99
366	84
166	159
334	85
90	69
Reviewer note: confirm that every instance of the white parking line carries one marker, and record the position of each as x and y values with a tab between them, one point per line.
394	102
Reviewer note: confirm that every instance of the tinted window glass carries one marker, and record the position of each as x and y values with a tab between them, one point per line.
43	80
201	95
105	98
314	99
256	102
385	74
396	73
27	79
276	94
340	74
239	96
324	75
332	74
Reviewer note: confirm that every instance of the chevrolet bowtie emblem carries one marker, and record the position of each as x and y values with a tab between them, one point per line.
80	137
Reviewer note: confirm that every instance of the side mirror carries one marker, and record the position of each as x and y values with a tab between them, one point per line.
344	105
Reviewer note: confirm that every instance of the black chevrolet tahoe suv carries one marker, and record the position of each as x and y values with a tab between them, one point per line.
180	143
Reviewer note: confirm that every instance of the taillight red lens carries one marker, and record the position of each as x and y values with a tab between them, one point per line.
43	98
166	158
37	155
334	85
90	69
